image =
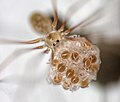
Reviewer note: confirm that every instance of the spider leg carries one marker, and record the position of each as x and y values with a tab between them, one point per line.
81	24
7	41
15	55
55	21
71	11
33	41
39	47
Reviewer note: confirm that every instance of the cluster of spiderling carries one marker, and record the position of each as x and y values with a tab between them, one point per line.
74	64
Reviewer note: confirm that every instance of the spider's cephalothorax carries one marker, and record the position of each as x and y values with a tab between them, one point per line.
52	39
74	61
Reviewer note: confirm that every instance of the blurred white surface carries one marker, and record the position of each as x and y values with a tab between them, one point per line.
24	80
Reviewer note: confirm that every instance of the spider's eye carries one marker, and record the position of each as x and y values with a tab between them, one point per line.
57	41
53	44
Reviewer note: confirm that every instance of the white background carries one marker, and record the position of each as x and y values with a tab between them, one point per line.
24	80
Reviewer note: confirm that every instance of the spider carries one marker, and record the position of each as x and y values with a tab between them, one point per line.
74	60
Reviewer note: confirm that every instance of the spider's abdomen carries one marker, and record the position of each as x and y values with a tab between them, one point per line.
75	63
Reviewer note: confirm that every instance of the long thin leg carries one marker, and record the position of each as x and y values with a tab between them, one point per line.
71	11
39	47
12	57
6	41
81	24
15	55
54	24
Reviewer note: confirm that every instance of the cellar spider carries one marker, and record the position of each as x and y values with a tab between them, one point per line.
74	60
